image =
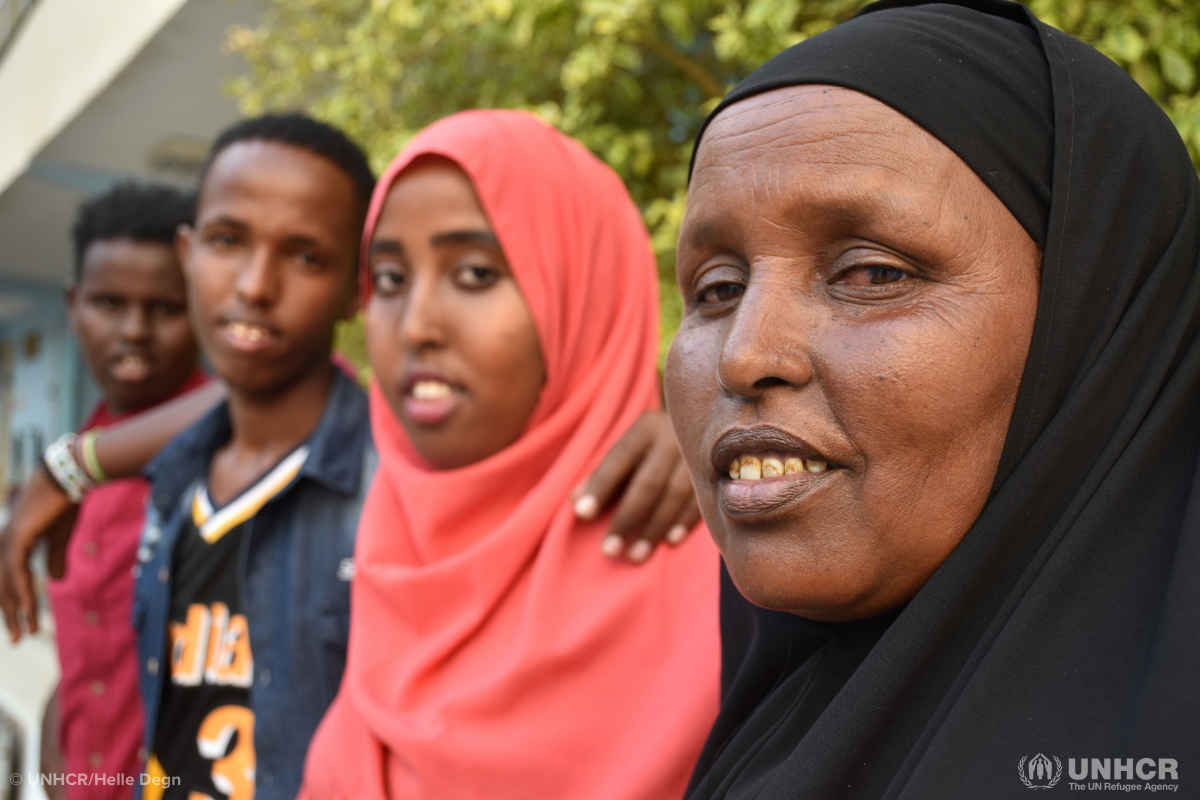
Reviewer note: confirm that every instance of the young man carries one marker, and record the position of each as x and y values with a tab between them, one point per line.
127	306
242	599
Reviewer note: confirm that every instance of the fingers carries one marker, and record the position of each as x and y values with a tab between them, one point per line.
614	471
649	489
644	474
42	510
687	521
16	595
667	519
22	579
8	598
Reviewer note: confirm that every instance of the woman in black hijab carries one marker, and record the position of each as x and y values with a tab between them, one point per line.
1025	611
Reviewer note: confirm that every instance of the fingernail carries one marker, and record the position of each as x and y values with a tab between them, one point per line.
640	550
586	507
612	545
677	534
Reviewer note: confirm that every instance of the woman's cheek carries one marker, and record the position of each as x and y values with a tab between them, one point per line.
691	391
385	351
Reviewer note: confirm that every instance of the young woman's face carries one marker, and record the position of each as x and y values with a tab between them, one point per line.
450	338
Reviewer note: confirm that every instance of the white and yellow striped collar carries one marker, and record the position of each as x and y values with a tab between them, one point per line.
215	524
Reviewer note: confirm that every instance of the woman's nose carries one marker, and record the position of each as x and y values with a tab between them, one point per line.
767	341
423	323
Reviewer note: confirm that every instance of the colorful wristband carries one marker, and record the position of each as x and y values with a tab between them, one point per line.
59	461
91	465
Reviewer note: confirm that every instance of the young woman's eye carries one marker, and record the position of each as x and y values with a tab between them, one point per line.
221	239
387	282
477	277
875	275
720	293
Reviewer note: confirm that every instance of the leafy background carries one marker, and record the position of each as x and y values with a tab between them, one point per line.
631	79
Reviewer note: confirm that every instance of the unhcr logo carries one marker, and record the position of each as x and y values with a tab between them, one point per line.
1101	774
1038	772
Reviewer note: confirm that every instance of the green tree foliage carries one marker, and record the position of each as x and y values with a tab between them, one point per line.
631	79
1156	41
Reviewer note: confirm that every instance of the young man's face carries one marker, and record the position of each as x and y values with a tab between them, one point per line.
129	312
271	263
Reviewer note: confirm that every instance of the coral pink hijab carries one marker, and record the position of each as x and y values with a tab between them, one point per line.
494	653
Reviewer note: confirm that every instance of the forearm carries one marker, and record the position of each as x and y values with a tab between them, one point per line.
126	448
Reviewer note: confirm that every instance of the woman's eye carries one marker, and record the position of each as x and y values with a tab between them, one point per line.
387	282
720	293
223	239
477	277
874	276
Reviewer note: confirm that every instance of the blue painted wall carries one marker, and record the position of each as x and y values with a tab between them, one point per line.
49	391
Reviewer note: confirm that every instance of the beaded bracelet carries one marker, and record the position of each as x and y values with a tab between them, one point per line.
60	464
91	464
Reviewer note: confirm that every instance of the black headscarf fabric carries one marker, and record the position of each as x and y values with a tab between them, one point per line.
1067	621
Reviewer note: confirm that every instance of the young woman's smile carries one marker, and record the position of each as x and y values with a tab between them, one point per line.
453	341
430	398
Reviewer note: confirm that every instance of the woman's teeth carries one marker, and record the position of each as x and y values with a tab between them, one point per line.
752	468
247	331
431	390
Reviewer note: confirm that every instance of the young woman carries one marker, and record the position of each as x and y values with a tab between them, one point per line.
511	326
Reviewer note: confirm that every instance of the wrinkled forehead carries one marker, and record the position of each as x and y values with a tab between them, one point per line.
798	124
977	82
829	146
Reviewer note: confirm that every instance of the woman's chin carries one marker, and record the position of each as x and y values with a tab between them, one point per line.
780	582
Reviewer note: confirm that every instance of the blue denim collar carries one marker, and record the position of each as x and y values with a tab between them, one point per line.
335	454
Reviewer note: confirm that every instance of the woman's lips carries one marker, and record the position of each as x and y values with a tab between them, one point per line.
764	471
430	402
763	497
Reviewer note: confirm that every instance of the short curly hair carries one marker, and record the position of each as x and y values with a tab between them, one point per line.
301	130
143	212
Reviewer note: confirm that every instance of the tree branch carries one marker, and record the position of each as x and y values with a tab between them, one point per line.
685	64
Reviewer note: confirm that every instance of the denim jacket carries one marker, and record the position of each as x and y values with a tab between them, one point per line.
294	573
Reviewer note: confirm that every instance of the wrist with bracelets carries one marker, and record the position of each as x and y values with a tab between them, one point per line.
71	464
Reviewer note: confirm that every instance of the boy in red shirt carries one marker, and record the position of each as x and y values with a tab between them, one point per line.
127	307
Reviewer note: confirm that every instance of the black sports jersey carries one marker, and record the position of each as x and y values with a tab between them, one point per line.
205	731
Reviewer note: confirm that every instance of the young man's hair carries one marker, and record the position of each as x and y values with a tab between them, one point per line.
140	212
301	130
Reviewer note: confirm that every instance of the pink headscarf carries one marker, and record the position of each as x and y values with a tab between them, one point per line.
494	653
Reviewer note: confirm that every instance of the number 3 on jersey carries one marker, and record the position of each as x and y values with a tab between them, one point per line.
232	774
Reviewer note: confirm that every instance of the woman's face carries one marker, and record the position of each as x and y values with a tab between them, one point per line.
449	335
859	307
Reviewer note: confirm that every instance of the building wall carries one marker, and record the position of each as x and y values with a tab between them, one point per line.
44	390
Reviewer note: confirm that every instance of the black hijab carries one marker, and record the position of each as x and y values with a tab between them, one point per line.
1067	621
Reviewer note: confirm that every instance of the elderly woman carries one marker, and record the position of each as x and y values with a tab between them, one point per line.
938	385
